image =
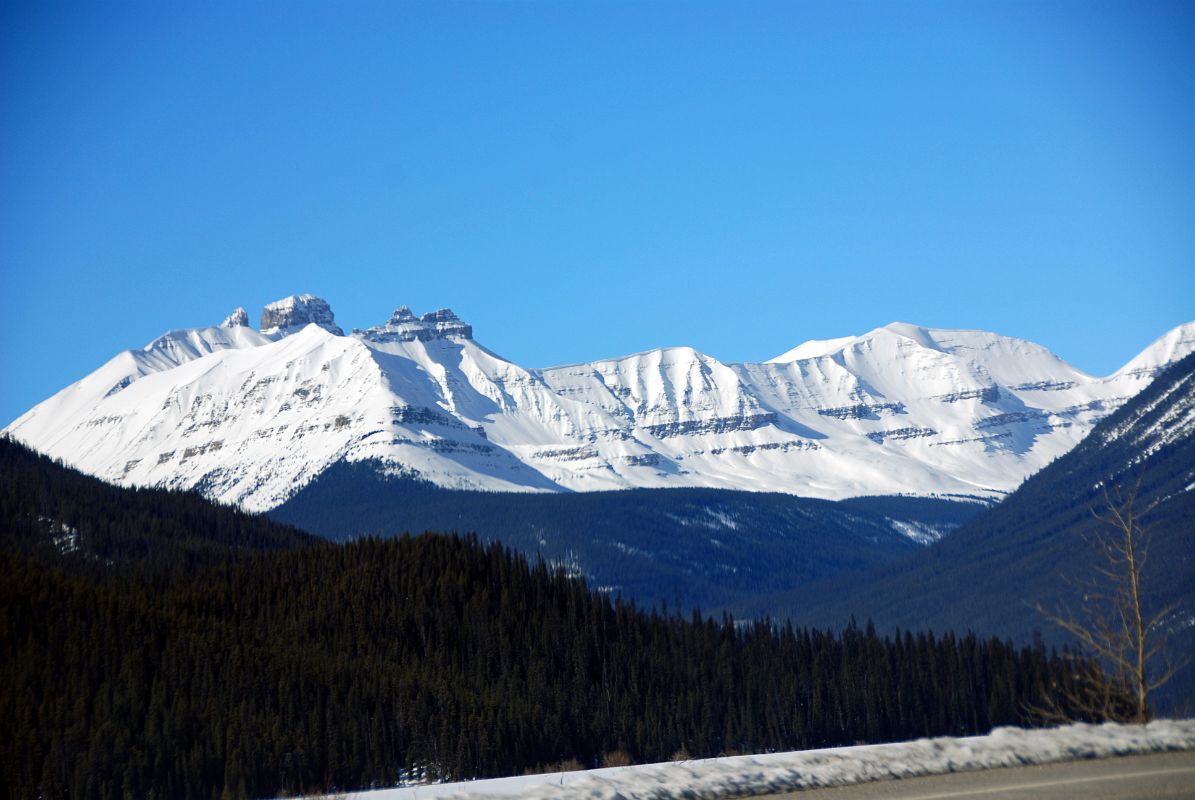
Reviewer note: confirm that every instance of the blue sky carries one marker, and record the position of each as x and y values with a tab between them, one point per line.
583	180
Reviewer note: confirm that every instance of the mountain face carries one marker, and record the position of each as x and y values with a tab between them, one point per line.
251	416
682	548
1037	545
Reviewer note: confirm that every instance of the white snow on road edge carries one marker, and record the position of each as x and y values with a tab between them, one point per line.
741	776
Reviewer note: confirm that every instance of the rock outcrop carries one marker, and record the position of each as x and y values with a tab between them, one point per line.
404	326
298	311
239	318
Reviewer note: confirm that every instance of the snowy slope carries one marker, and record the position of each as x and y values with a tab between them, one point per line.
249	417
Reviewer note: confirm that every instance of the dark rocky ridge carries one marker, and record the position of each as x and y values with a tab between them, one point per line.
404	326
693	427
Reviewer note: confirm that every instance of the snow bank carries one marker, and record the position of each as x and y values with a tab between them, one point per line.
740	776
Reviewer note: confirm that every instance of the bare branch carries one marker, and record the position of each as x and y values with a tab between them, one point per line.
1113	628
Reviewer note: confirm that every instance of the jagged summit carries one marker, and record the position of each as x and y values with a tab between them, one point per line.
239	318
290	314
402	314
297	311
404	326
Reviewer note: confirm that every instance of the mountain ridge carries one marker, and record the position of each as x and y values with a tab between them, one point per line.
250	417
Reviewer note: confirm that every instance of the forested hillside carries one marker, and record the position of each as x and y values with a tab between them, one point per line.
47	507
334	666
684	547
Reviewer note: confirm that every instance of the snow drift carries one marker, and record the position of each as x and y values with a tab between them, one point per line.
742	776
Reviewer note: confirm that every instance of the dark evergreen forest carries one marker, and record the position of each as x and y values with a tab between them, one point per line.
47	508
254	661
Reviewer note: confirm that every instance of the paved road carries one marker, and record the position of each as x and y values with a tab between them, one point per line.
1168	776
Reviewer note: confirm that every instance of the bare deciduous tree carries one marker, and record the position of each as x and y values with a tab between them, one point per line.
1124	642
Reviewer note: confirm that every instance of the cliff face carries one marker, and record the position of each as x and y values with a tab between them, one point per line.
295	312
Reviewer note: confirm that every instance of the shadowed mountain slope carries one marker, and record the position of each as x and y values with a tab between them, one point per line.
683	547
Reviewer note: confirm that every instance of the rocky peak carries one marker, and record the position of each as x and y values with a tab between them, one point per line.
239	318
294	312
404	326
402	315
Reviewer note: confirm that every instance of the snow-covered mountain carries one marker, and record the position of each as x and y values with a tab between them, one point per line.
249	417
